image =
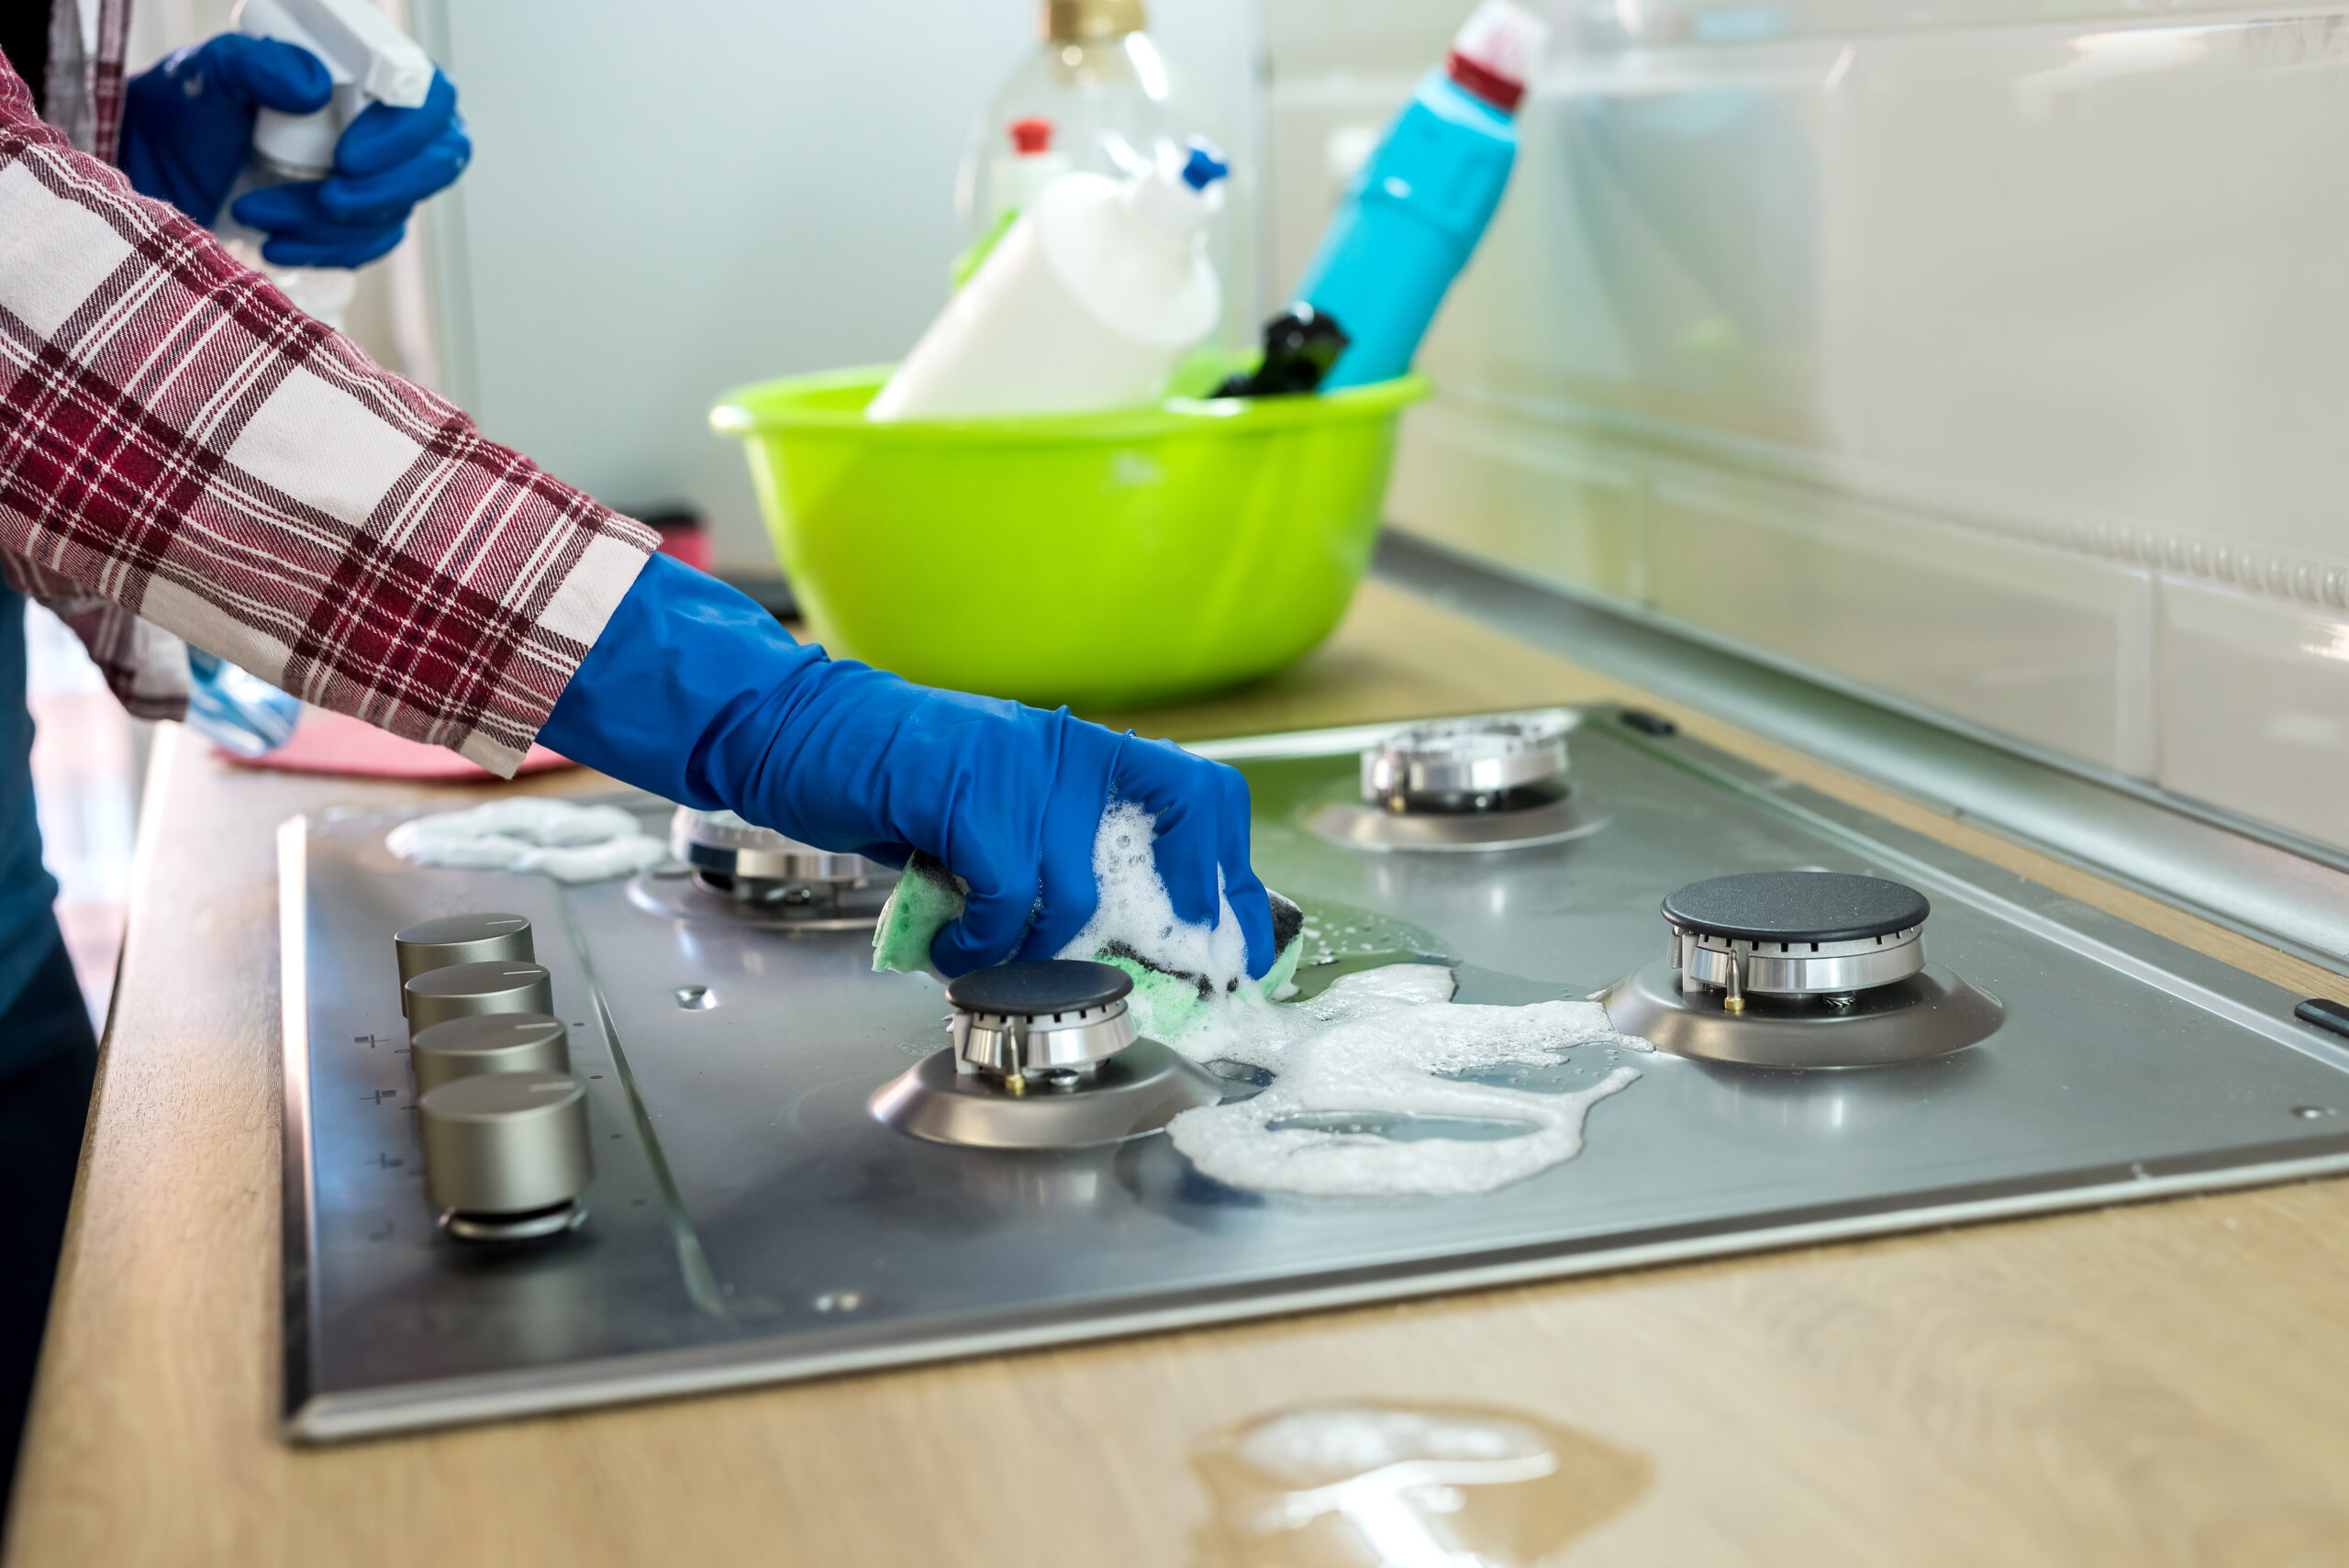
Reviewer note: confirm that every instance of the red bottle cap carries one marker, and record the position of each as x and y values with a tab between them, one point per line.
1497	52
1485	83
1032	136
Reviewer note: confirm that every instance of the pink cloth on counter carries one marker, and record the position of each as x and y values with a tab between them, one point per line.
337	743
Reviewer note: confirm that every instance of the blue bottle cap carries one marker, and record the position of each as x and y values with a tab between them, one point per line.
1206	165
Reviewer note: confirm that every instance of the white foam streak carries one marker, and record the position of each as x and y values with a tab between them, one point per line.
1376	1043
565	841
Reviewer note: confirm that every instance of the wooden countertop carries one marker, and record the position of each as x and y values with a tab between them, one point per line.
2161	1383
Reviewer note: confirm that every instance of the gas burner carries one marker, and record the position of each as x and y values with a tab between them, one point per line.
1800	969
729	867
1795	933
1491	766
1480	784
1044	1056
758	865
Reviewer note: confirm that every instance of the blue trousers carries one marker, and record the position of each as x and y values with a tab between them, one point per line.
43	1103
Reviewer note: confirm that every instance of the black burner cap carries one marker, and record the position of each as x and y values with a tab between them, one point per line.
1032	990
1796	906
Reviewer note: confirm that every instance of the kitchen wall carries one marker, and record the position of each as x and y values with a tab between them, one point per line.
1994	358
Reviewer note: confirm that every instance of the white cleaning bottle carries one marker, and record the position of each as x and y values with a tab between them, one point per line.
370	61
1018	180
1088	303
1117	103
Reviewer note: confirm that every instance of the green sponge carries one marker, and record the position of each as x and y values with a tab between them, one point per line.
927	898
1165	1001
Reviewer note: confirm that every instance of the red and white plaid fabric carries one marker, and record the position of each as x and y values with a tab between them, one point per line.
179	440
84	90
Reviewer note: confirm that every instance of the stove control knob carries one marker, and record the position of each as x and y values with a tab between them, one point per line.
489	1042
506	1154
462	990
460	938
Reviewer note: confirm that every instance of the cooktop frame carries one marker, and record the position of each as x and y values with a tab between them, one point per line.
751	1223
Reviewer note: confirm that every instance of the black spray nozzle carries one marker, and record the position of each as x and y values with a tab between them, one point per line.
1300	344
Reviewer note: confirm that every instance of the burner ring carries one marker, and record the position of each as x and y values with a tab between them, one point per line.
1931	1013
673	892
721	844
1133	1093
1474	765
1799	969
1795	933
1051	1018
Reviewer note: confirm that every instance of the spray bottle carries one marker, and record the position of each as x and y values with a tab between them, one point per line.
1416	210
1118	107
1096	293
1019	179
371	62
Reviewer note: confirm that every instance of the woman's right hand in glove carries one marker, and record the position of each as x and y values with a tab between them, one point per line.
694	692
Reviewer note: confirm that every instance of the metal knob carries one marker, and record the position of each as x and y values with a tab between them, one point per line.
462	990
506	1154
460	938
489	1042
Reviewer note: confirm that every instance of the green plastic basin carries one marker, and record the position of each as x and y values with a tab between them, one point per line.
1102	560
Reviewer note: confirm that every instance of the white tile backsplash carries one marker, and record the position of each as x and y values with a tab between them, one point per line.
1997	361
2013	636
1561	510
2255	699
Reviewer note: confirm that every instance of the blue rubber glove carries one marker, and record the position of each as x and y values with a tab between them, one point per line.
386	161
187	133
187	124
694	692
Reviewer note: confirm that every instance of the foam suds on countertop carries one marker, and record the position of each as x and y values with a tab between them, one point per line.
1381	1042
566	841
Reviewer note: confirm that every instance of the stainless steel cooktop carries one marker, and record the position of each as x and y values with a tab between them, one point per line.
751	1220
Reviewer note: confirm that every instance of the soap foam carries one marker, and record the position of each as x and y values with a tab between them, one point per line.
566	841
1135	920
1375	1042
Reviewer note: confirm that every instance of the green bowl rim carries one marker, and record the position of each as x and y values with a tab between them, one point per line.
753	410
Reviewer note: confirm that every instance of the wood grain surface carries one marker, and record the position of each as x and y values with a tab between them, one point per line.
2163	1384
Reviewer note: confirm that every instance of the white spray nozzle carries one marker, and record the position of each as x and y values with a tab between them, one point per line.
368	58
357	42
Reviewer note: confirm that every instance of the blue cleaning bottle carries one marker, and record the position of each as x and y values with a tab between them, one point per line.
1421	203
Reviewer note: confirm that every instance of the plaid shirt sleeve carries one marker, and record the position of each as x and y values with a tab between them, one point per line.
179	440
